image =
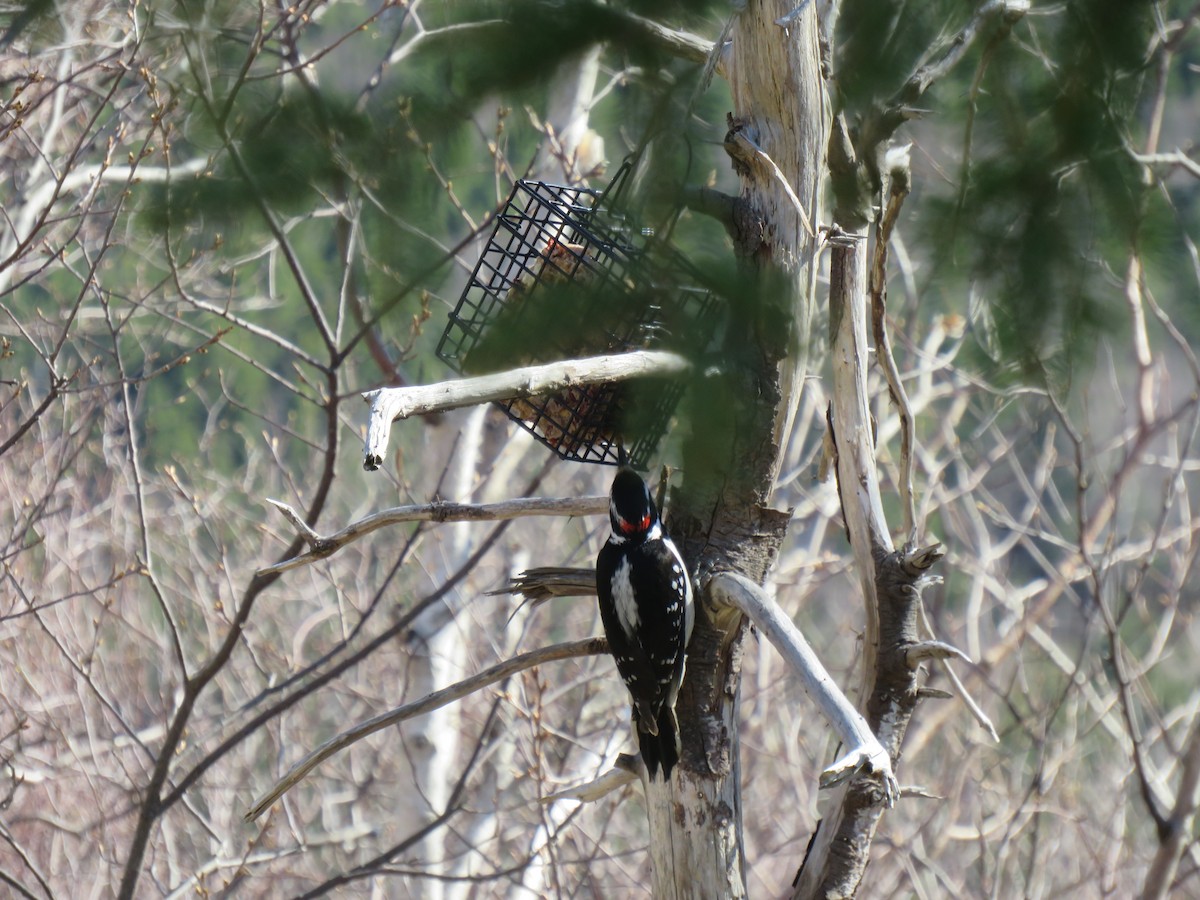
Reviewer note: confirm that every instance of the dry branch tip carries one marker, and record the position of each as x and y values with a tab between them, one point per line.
624	771
928	693
923	650
310	537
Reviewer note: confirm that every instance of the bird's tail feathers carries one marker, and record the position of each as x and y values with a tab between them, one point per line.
660	751
645	719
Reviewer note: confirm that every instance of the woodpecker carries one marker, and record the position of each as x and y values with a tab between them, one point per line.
646	606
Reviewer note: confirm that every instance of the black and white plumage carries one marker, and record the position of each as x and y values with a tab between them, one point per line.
646	606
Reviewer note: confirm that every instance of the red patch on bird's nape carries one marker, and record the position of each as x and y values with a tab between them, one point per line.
634	527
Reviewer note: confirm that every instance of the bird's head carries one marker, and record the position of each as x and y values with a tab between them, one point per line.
632	511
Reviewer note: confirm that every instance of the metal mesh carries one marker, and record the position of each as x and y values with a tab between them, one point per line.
556	282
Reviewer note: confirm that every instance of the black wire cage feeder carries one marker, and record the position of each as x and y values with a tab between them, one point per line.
566	275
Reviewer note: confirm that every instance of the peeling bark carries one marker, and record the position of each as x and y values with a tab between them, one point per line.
721	517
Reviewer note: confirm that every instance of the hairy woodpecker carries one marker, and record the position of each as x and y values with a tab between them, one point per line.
646	607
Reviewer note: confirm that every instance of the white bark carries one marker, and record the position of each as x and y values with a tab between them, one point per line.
696	840
389	404
864	752
858	481
779	94
778	136
862	506
571	149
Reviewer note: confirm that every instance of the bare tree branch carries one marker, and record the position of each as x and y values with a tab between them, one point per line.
883	124
898	178
498	672
742	147
682	44
626	771
1173	159
1175	832
865	753
389	404
965	695
437	511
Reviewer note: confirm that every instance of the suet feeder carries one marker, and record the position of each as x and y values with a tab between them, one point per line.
565	275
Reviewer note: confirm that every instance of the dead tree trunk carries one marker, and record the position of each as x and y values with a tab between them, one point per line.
866	178
721	516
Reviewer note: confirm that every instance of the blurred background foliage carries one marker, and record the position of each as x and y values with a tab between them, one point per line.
1040	197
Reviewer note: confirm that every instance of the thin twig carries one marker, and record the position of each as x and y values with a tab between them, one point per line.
750	148
883	124
437	511
972	706
589	647
1173	159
